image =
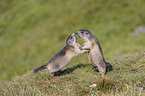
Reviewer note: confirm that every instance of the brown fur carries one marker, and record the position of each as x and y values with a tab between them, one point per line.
64	56
95	56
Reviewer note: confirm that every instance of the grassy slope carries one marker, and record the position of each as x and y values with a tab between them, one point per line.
32	32
128	73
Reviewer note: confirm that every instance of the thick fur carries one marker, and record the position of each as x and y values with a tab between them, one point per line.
95	56
64	56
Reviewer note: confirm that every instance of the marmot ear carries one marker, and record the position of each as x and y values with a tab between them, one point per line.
70	37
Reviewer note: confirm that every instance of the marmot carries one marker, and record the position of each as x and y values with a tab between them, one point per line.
64	56
95	56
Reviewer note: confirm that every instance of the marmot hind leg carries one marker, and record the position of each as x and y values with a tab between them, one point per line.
109	67
102	70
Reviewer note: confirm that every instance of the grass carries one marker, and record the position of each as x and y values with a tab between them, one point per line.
128	74
32	32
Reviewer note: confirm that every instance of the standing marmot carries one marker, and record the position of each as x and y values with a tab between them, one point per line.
64	56
95	56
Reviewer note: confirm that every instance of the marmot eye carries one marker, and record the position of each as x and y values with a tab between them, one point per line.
71	37
82	32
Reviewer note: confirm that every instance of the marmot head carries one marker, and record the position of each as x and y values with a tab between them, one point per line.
85	34
71	40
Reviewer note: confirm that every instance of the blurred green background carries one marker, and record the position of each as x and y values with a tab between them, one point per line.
31	31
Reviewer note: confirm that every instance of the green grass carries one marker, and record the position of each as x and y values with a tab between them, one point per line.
31	32
128	73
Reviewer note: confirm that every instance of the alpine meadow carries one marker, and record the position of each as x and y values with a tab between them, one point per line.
33	31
